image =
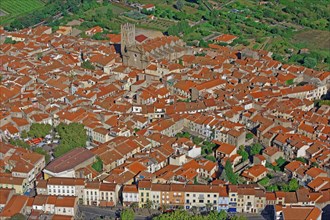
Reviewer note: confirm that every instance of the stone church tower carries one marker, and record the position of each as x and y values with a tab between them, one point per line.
139	55
127	36
132	54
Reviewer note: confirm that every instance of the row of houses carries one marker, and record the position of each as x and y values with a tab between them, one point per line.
38	207
218	196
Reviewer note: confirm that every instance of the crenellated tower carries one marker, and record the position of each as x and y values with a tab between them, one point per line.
127	36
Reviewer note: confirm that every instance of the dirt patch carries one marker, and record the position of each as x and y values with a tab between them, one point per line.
313	39
148	33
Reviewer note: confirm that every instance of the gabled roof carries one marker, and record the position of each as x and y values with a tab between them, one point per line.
69	160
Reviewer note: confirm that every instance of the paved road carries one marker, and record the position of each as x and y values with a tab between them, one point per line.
91	213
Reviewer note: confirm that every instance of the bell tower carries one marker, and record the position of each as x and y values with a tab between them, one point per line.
127	36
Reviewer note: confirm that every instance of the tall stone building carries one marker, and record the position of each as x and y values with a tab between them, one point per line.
139	56
127	36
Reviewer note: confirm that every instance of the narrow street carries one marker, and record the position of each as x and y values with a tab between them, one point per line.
89	213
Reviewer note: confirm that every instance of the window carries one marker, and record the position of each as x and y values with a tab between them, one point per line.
208	195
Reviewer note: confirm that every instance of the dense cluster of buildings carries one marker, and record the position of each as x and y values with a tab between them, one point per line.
133	102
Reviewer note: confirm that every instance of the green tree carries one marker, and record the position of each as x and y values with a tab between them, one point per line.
197	140
293	185
249	136
315	164
289	82
148	204
264	181
98	165
238	217
39	130
203	43
211	158
41	151
272	188
222	215
310	62
19	143
18	216
127	214
177	214
255	149
87	65
8	40
24	134
98	36
109	13
232	177
243	153
72	136
301	159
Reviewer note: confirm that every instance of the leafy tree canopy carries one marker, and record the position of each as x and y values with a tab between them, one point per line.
232	177
127	214
98	165
72	136
19	143
184	215
243	153
39	130
255	149
87	65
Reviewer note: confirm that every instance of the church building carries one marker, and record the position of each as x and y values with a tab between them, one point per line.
140	55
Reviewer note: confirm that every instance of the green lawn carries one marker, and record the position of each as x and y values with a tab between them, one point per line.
14	8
